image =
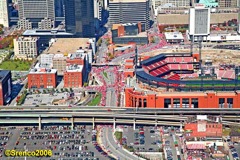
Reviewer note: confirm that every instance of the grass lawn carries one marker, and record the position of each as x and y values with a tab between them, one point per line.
96	100
118	135
105	74
16	65
210	85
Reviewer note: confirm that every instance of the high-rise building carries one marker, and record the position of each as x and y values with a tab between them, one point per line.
26	47
227	3
4	17
175	3
199	21
5	87
129	11
79	17
37	11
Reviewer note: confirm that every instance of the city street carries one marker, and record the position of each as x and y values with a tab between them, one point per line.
110	144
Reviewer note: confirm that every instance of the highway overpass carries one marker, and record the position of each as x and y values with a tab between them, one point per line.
148	111
71	117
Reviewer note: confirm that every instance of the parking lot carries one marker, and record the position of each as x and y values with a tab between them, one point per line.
51	99
172	145
67	144
143	139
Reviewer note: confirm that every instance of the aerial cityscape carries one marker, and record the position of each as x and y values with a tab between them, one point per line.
120	79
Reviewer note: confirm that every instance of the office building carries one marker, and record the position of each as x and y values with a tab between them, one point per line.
38	12
4	13
228	3
42	77
5	87
46	58
79	17
129	11
73	76
59	63
174	3
25	23
199	23
26	47
131	32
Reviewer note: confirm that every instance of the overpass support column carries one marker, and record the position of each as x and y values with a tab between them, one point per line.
72	123
39	123
93	123
114	124
134	124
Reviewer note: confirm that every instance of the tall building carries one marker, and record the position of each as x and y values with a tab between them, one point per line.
227	3
175	3
79	17
5	87
26	47
129	11
37	11
199	21
4	17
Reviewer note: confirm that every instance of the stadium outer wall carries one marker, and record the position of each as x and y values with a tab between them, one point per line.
182	99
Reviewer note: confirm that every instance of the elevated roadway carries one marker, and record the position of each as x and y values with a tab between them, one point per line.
147	111
73	117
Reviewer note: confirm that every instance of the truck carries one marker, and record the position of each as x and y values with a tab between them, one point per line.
178	155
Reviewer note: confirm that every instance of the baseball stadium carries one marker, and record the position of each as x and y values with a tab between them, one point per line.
186	82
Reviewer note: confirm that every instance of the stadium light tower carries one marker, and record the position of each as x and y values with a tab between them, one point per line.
199	26
238	27
136	57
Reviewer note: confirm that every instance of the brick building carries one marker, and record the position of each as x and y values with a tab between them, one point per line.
203	126
207	99
131	32
129	68
42	78
5	87
74	76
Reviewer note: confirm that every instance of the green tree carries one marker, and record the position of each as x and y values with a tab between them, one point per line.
99	42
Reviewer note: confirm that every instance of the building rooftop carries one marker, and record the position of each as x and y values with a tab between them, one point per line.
59	56
142	34
3	74
67	45
27	38
76	56
35	32
173	35
74	68
39	69
126	1
209	3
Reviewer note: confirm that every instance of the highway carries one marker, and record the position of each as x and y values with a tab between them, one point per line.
33	117
148	111
109	143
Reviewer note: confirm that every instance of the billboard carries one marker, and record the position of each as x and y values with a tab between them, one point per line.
199	22
201	127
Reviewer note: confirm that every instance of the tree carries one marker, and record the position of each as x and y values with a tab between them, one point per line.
99	42
153	40
71	90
